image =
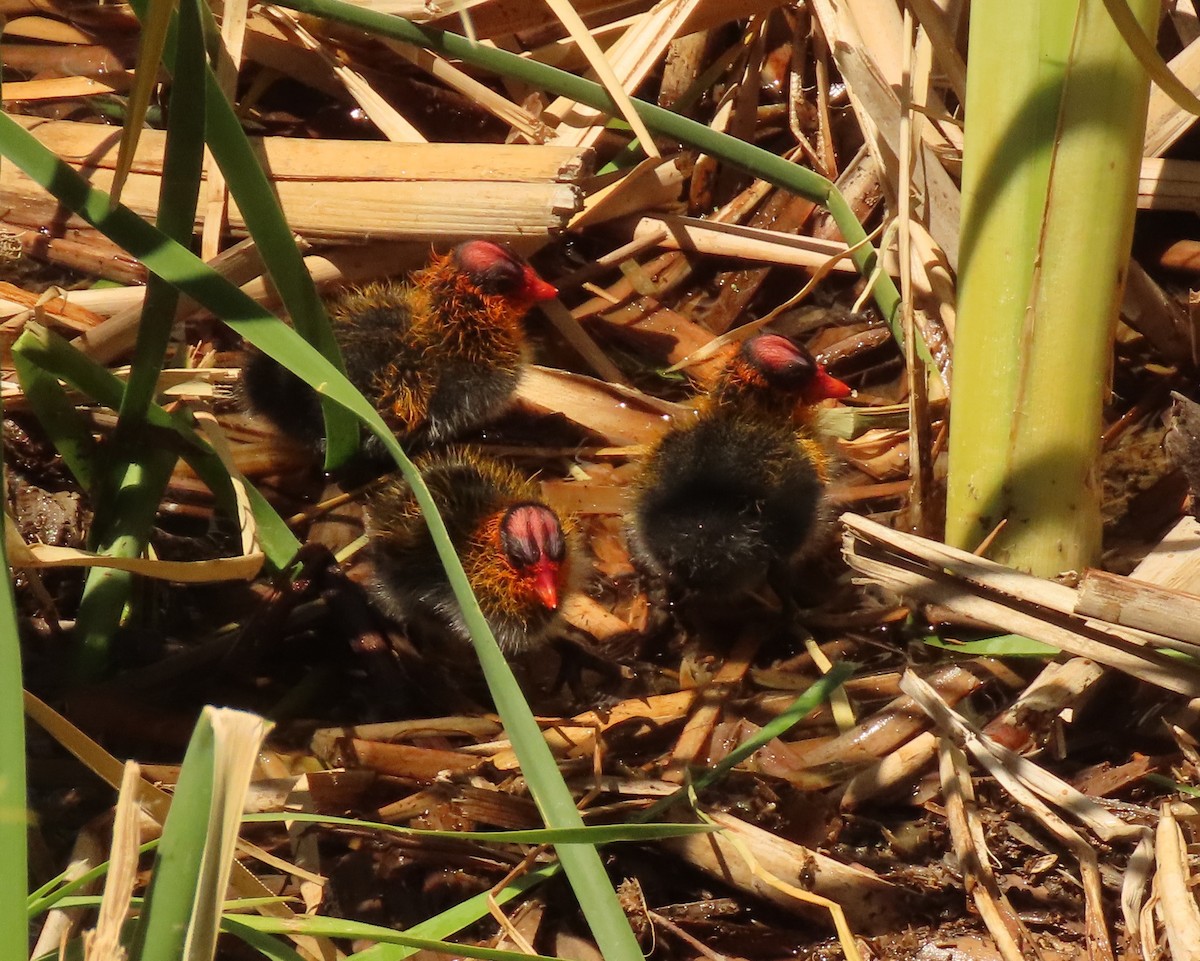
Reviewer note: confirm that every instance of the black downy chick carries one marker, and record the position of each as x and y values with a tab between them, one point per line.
733	498
437	356
519	558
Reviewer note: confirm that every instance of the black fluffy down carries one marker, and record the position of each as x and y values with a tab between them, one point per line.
724	500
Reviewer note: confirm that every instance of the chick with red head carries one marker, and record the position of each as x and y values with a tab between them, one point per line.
737	495
520	558
437	356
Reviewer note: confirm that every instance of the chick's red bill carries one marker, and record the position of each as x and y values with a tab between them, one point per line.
825	386
536	289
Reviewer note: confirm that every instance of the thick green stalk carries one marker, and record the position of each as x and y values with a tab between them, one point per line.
1053	144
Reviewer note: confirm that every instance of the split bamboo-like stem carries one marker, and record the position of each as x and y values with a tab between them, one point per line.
343	191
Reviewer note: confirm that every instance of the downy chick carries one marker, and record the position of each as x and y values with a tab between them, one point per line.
733	498
436	356
520	559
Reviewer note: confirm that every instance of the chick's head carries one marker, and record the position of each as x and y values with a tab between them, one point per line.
774	366
498	272
520	561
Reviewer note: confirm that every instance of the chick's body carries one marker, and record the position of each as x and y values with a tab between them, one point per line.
436	357
722	503
723	499
518	557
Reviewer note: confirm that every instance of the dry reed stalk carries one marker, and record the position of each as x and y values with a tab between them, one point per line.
86	251
1164	322
830	761
214	198
621	415
337	190
936	26
1029	722
582	612
88	851
566	54
172	381
268	46
639	50
695	235
69	60
1037	791
391	123
697	733
974	858
1173	898
640	294
520	119
871	67
574	334
421	764
892	774
324	740
1169	185
47	30
1016	602
683	64
494	19
871	904
585	497
103	942
1166	121
576	736
1143	606
601	67
650	184
238	264
16	304
64	88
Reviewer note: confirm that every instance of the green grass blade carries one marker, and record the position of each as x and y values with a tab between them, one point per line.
167	909
58	416
319	926
182	909
589	834
264	944
14	819
133	505
1002	645
179	193
1142	47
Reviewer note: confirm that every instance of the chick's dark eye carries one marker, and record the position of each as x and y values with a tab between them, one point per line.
490	267
530	533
